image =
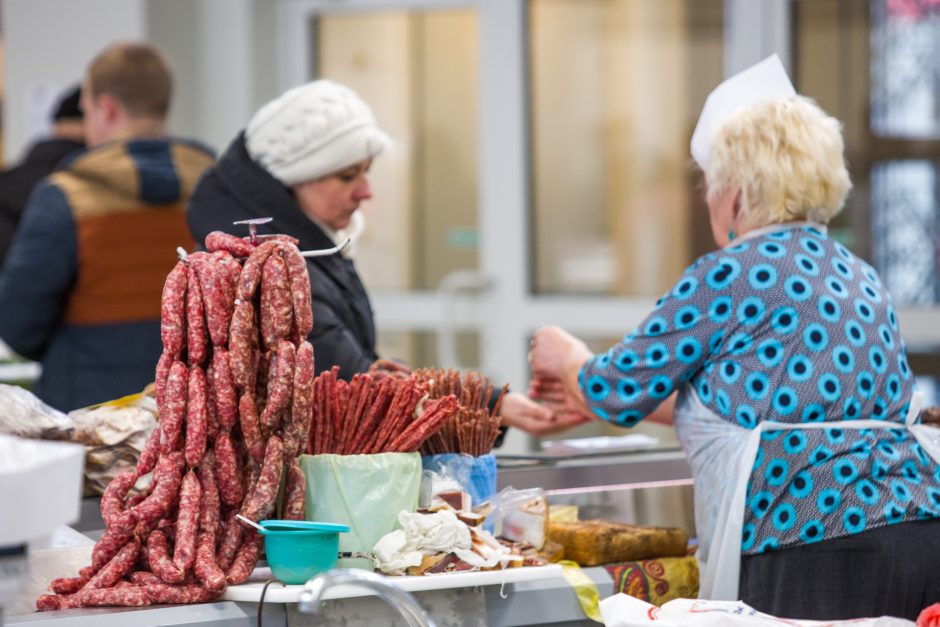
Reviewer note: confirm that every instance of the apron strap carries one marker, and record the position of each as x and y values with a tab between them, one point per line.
917	403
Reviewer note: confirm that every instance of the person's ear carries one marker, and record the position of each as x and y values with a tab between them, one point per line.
736	204
112	110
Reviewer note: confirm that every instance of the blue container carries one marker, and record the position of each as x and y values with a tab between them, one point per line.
298	549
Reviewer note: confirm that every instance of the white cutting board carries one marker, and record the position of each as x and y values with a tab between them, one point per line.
251	591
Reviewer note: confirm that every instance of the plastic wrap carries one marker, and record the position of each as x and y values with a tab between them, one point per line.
475	475
26	416
365	492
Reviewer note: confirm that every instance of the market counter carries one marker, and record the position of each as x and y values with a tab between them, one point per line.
544	602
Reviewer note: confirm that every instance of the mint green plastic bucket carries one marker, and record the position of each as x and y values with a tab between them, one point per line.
298	550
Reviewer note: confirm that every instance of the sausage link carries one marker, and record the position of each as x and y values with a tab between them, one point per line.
67	585
196	427
160	376
299	292
123	596
251	426
105	549
226	470
261	500
213	299
165	594
295	436
231	540
197	340
251	272
148	456
173	310
144	578
226	397
116	568
228	270
205	566
245	560
221	241
279	391
166	478
112	501
275	310
158	556
187	522
242	345
171	419
294	492
212	410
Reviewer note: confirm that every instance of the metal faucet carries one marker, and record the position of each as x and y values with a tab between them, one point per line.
403	601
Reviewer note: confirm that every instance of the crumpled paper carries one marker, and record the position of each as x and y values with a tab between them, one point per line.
431	534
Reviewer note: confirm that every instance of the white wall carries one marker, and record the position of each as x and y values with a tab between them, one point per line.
223	53
48	44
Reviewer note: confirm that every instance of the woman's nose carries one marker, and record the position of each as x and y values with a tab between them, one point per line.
363	190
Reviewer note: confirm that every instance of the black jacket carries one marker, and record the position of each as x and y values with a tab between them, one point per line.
18	182
237	188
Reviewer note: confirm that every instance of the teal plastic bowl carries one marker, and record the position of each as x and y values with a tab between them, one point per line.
298	550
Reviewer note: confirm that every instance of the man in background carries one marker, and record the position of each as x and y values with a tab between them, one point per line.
41	159
80	290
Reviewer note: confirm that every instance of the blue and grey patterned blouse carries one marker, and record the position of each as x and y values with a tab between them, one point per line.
788	326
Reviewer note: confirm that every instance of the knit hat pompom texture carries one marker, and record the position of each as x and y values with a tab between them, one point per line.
312	131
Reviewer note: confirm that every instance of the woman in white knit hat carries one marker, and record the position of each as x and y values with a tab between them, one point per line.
303	160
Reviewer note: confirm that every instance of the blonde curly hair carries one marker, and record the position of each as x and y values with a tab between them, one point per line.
786	155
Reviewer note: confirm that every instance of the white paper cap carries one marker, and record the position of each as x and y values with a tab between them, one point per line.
764	80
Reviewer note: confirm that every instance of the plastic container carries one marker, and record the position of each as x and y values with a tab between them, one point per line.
298	550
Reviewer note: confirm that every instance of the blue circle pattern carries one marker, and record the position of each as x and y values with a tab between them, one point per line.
791	327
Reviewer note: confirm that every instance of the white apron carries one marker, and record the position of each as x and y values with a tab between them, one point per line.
721	455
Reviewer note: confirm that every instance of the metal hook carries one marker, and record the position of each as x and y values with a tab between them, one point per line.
253	228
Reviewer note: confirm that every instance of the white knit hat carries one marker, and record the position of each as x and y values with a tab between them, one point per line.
312	131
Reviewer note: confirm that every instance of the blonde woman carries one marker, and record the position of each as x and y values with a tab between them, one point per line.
813	498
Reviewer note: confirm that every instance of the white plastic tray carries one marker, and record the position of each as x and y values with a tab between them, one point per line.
251	591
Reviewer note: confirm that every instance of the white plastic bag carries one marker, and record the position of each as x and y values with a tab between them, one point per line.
621	610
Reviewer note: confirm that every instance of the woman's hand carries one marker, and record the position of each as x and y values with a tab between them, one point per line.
518	410
553	351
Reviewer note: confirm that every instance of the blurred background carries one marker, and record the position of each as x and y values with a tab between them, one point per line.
541	171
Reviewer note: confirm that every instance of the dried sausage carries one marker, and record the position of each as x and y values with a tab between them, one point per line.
165	594
212	410
219	241
251	426
302	401
299	292
123	596
166	477
162	372
251	271
117	567
112	501
196	427
275	311
187	522
231	540
245	560
226	471
242	345
67	585
148	456
158	558
226	397
196	333
171	420
294	492
261	499
213	298
205	566
280	386
173	310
